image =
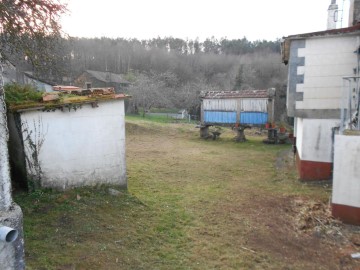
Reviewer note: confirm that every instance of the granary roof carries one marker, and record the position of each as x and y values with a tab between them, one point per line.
235	94
107	76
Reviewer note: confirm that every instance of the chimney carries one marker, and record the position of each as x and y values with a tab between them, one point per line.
332	15
354	15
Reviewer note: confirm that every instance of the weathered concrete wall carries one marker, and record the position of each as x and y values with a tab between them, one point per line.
82	147
316	68
327	60
12	254
295	76
346	180
317	141
314	142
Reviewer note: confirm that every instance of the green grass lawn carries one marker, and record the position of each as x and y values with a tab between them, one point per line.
190	204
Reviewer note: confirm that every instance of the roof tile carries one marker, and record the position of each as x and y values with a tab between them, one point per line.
236	94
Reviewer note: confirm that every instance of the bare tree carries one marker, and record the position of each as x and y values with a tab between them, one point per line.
148	91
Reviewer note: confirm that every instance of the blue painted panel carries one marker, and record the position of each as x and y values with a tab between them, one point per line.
255	118
220	117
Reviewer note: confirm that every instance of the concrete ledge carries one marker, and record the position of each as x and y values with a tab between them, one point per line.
12	254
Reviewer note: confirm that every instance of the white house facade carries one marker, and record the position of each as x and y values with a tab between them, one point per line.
317	64
324	99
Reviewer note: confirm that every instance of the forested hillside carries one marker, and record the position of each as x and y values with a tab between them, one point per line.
167	72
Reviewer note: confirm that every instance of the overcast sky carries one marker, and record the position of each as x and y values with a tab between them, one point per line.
144	19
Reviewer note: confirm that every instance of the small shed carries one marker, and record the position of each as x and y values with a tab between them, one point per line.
69	142
233	108
102	79
41	85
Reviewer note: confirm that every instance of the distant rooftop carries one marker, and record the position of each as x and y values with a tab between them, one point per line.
107	76
31	75
235	94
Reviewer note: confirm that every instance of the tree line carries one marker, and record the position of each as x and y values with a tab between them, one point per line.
179	68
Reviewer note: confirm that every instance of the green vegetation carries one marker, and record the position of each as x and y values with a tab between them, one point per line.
16	94
190	204
163	110
157	118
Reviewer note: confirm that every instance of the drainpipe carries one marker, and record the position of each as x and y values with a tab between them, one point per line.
8	234
334	131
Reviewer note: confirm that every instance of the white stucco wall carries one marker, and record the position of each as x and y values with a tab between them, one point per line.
346	180
314	139
298	133
327	60
82	147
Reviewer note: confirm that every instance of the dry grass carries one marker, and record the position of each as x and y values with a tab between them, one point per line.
190	204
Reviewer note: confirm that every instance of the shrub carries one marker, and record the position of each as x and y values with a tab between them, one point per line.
19	94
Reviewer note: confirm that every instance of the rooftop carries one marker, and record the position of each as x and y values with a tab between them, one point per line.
64	99
31	75
332	32
107	76
285	45
235	94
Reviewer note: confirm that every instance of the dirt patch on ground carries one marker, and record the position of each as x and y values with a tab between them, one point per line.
288	232
301	230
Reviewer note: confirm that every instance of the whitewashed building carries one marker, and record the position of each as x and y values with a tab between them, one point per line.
317	64
65	145
323	96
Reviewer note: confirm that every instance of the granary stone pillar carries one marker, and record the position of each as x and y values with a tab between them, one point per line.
204	131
